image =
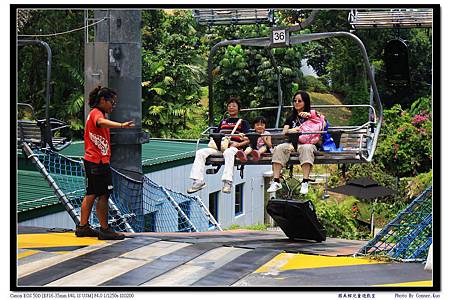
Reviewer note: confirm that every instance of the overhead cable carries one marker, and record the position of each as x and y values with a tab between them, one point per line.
60	33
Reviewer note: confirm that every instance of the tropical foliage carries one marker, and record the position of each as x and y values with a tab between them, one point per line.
174	56
67	81
175	52
173	72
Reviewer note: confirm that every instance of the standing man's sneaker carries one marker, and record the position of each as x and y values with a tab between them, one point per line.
304	188
241	156
274	186
85	231
196	186
227	185
109	234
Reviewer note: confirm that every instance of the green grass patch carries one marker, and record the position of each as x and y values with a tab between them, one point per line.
250	227
335	116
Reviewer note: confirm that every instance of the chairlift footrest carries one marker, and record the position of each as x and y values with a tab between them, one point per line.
213	171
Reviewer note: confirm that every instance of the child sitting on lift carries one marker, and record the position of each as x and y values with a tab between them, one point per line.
263	144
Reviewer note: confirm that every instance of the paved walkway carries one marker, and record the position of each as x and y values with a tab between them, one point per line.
238	258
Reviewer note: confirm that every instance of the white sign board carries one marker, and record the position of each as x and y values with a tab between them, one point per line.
279	36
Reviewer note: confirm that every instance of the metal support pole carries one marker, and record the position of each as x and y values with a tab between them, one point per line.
280	91
118	50
372	219
114	60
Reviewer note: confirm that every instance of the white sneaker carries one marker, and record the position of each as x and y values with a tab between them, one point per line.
227	185
304	188
274	186
196	186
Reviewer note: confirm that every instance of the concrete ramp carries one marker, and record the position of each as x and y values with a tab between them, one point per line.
212	259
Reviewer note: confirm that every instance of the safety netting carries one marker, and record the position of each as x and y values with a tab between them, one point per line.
409	235
137	204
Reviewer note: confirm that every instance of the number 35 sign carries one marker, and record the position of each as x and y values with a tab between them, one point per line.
280	37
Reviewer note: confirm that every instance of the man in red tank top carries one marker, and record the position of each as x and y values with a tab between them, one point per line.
97	155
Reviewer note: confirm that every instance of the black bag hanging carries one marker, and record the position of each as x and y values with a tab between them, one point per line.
297	219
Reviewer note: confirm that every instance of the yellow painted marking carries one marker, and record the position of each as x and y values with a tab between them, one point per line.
412	283
54	240
291	261
27	253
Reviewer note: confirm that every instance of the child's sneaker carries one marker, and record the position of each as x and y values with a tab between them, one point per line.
241	156
196	186
255	155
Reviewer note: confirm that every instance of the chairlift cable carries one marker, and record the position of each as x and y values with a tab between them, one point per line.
60	33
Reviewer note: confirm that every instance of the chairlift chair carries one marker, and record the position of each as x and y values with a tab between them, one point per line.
233	16
391	18
48	132
358	143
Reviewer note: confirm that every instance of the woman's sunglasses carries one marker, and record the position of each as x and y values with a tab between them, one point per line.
298	101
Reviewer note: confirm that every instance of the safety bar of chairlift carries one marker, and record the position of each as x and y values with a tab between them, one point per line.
283	134
203	133
58	122
373	111
27	105
316	106
52	120
338	128
360	148
332	129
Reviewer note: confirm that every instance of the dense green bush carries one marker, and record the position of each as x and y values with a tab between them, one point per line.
338	219
421	106
414	186
405	147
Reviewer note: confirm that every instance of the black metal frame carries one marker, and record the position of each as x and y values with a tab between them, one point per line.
47	124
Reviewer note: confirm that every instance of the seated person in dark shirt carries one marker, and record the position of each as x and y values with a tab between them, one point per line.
236	142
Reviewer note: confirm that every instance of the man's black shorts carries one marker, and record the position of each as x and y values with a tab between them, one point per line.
98	178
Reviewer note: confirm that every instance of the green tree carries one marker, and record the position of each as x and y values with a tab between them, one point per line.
173	72
67	65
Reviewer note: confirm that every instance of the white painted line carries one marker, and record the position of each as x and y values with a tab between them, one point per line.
197	268
111	268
